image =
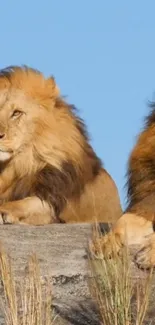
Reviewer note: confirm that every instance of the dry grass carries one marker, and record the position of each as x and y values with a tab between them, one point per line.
120	301
26	303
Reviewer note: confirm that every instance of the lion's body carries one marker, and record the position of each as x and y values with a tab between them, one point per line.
48	170
89	207
137	224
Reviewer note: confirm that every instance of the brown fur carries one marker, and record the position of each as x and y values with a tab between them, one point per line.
137	224
45	156
141	172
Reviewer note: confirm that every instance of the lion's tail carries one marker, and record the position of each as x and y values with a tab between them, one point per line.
82	313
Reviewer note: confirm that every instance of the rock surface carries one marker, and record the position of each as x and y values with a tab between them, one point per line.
60	250
61	253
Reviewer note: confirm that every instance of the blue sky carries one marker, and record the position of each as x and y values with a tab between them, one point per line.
102	54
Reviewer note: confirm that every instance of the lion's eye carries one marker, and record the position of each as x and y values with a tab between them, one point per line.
16	114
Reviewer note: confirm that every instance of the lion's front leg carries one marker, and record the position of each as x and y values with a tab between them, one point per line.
30	210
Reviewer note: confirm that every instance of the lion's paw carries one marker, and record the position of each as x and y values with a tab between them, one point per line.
6	217
106	246
145	258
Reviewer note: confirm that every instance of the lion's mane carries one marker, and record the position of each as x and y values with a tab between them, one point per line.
141	171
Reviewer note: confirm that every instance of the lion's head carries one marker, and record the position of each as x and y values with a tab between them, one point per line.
26	103
36	121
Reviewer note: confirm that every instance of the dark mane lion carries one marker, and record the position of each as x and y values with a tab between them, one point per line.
137	224
48	170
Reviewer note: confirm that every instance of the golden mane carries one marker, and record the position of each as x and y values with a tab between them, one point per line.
59	142
31	81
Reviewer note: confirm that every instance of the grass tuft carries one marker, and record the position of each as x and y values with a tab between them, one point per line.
120	301
25	303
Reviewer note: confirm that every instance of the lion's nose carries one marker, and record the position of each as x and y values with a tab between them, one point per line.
2	135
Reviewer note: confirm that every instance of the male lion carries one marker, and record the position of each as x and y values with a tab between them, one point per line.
137	224
48	170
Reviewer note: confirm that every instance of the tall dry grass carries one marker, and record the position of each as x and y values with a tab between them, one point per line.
120	300
25	302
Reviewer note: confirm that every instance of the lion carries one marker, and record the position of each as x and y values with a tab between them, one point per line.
137	224
48	170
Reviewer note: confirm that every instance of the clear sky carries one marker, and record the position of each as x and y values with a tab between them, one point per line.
102	54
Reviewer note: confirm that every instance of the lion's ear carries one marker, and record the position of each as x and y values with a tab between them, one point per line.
52	85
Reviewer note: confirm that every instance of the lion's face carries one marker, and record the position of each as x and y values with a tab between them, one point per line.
17	123
23	110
